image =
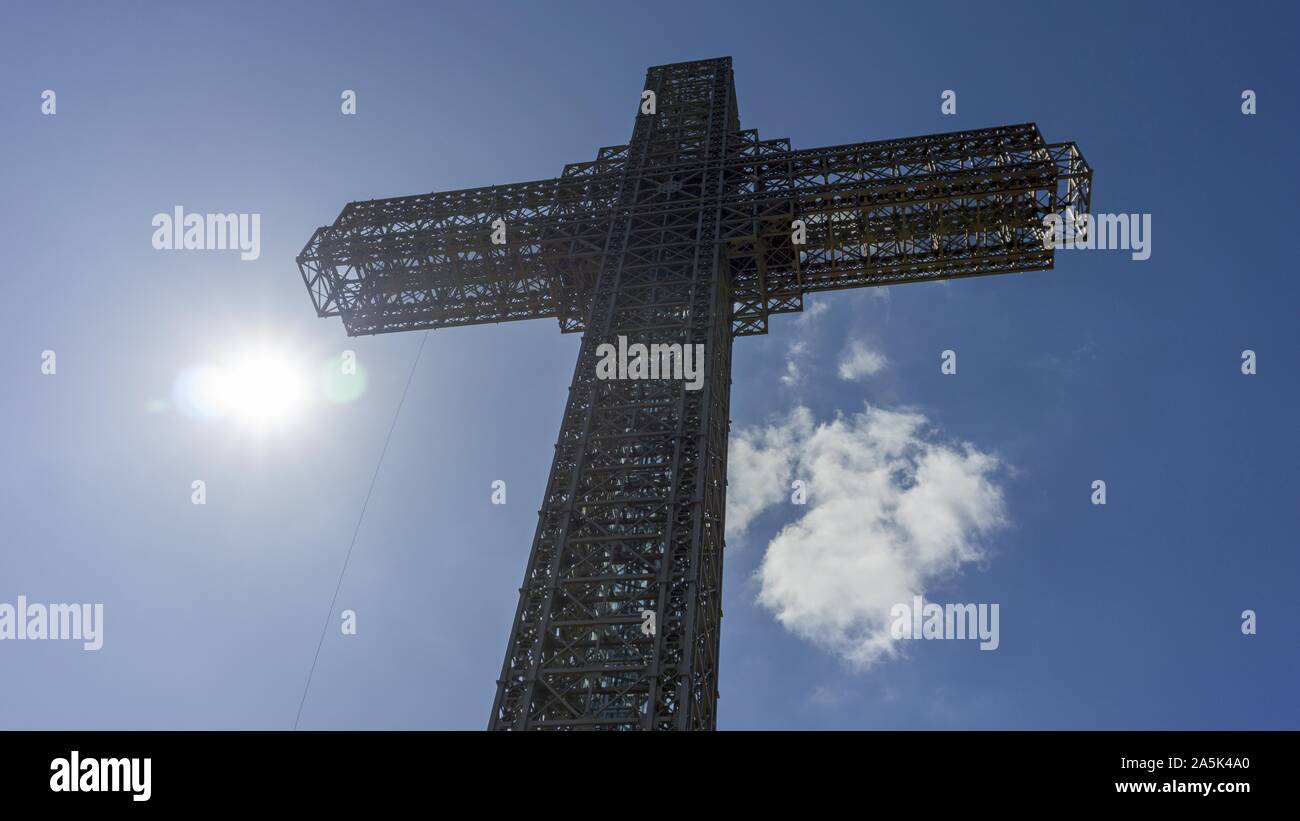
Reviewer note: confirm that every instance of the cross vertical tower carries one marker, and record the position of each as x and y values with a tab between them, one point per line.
684	235
633	515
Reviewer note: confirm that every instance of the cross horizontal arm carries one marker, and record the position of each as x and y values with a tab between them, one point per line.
430	261
940	206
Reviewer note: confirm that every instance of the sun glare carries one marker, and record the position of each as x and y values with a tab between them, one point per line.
259	390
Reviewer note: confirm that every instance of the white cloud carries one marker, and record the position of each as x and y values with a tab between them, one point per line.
760	462
858	361
796	357
812	310
826	696
798	354
890	512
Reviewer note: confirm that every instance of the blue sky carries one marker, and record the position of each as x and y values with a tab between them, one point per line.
1118	616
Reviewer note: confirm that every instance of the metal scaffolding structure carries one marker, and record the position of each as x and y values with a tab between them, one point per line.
684	235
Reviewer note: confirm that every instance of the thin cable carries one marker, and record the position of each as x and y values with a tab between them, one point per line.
347	558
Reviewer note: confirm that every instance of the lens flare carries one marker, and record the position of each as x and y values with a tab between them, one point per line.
341	384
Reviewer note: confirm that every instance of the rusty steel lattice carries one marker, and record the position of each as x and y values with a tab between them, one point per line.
684	235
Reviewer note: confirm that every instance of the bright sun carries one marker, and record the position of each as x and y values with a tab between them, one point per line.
259	389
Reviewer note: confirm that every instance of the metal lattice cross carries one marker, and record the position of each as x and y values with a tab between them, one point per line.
690	234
